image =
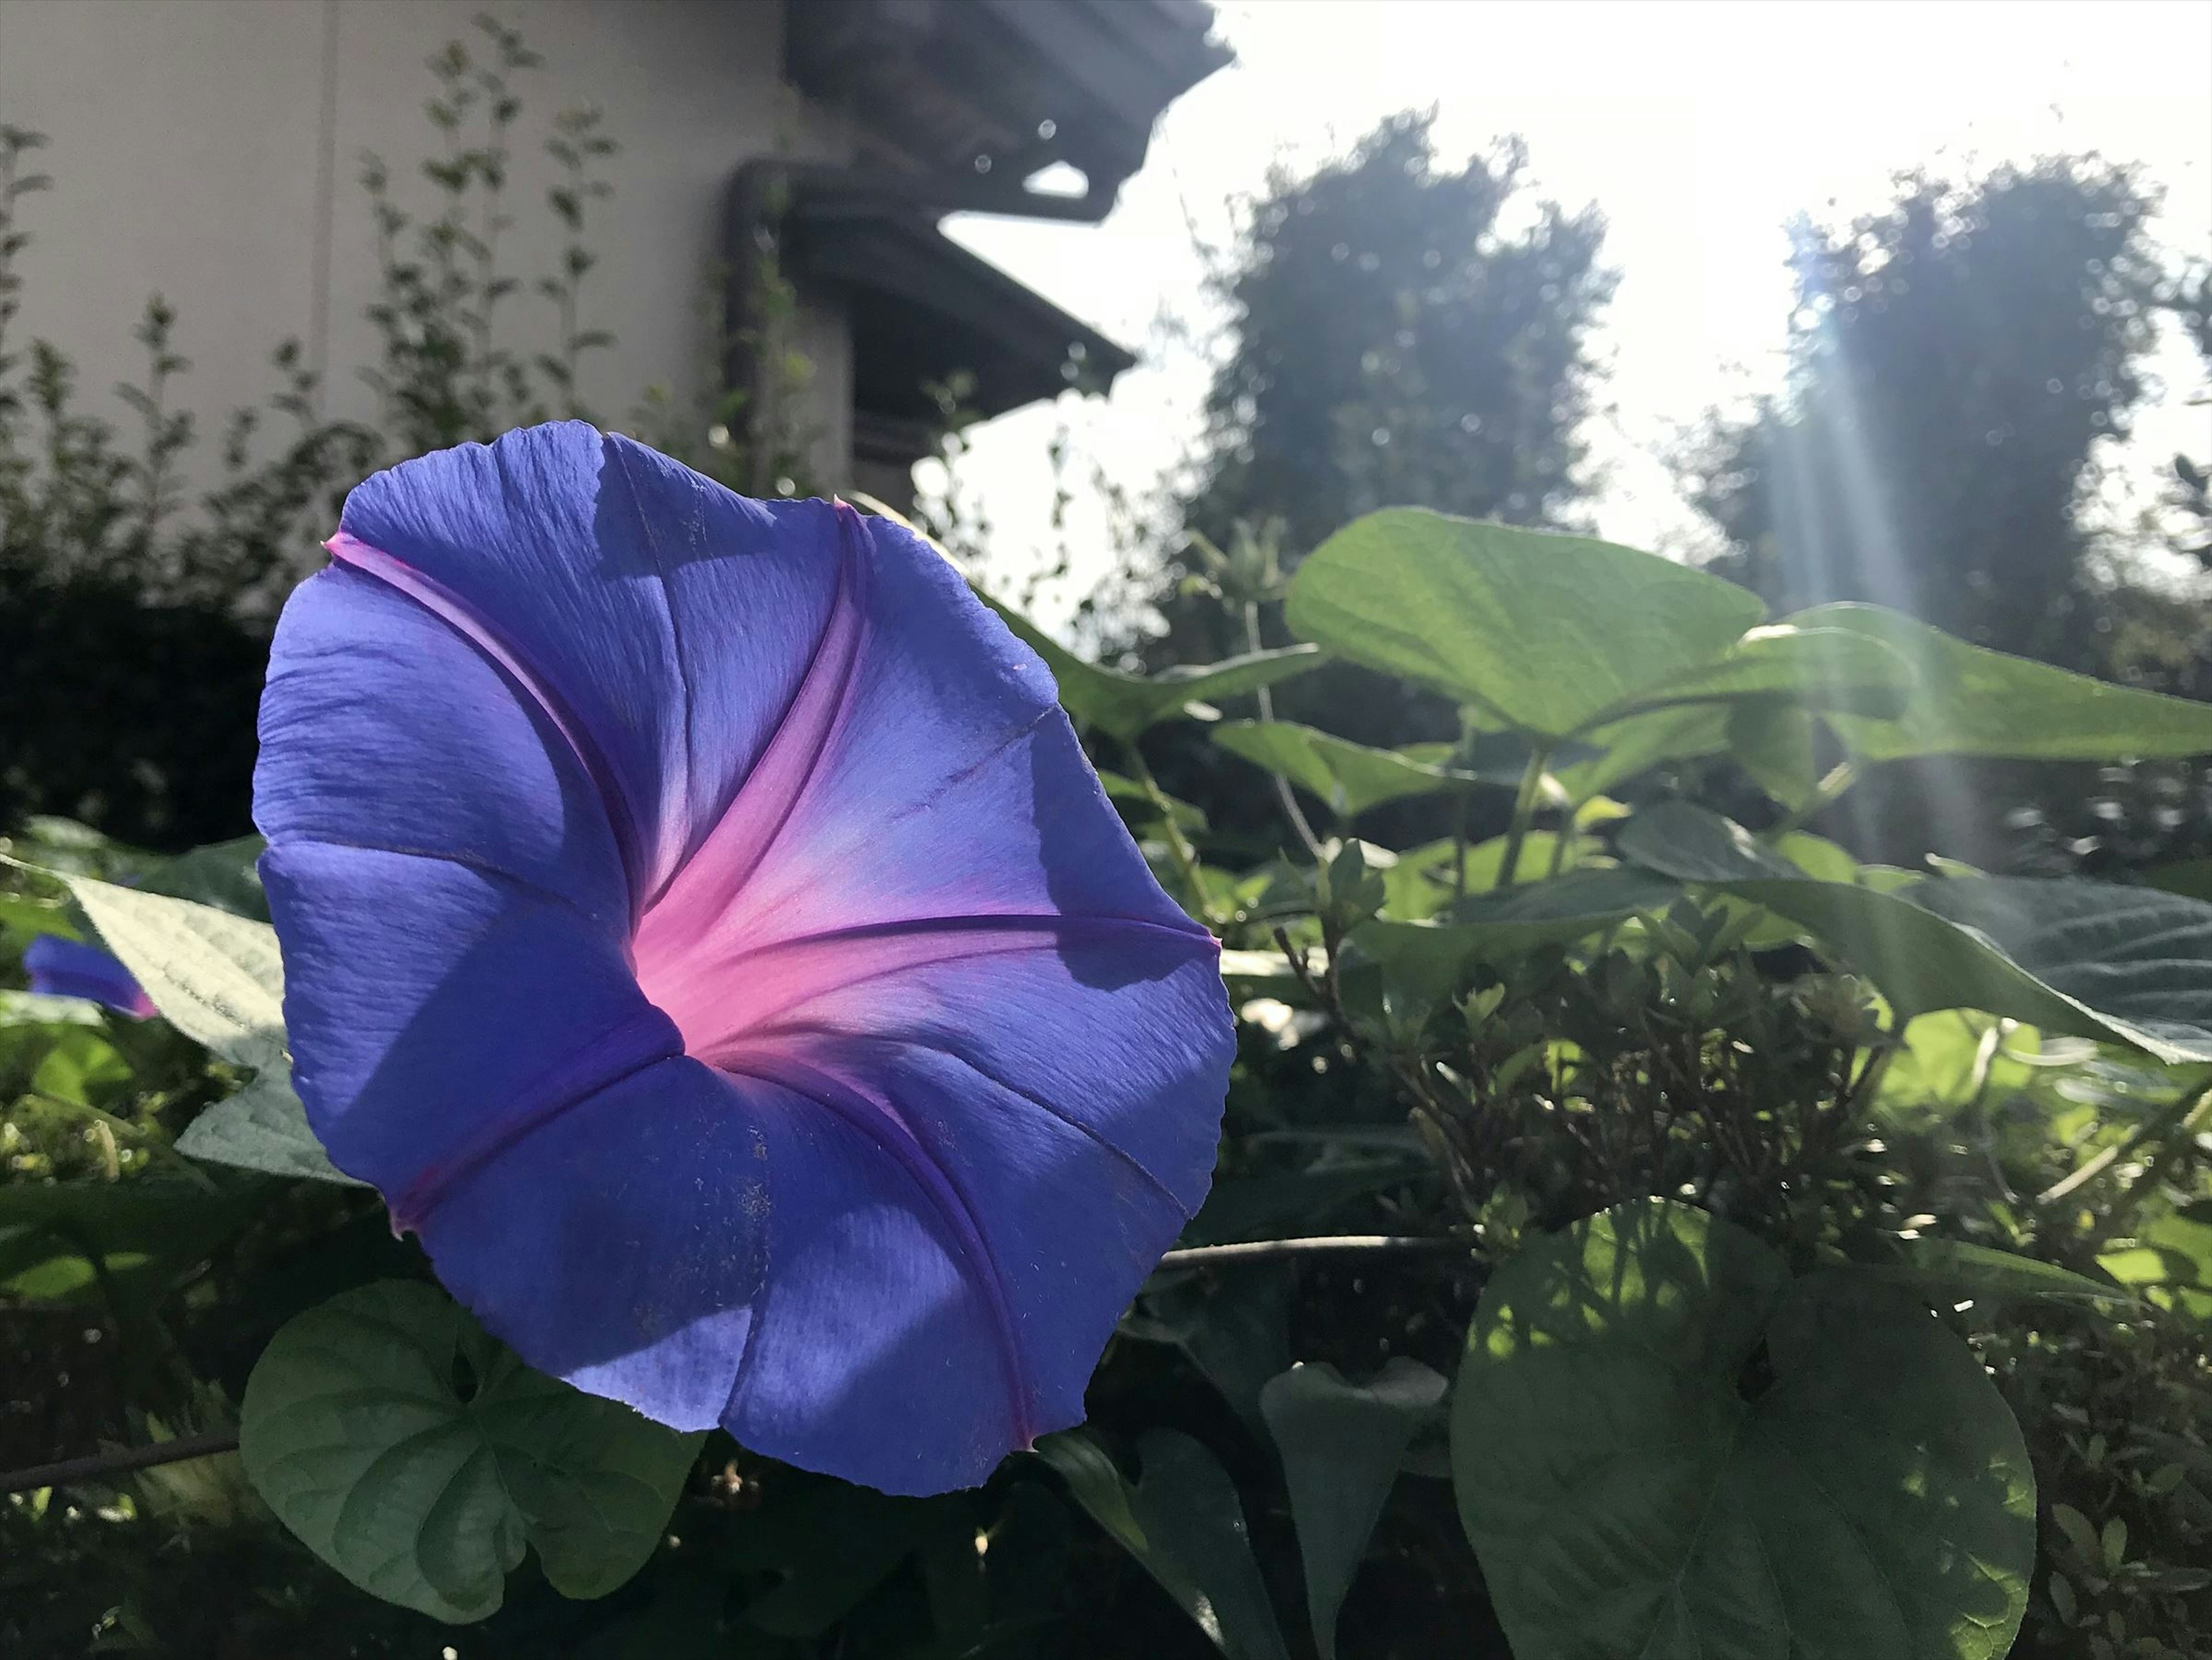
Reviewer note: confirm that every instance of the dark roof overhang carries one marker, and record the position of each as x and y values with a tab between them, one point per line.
926	312
985	94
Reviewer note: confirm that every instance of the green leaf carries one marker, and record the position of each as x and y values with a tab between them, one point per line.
145	1230
1820	668
1233	1322
1341	1445
1948	1269
24	917
1772	742
222	874
1135	799
219	979
82	1068
1432	956
1183	1524
1664	1447
1547	631
1124	705
2170	1257
1971	701
1643	741
2090	959
1349	777
1950	1059
2138	958
261	1127
418	1457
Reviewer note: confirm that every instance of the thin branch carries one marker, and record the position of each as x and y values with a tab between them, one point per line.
1261	1250
71	1471
1283	791
2179	1116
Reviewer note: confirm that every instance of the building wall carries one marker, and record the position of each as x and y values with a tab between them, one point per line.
210	150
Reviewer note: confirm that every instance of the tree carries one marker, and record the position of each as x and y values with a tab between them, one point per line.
1404	333
1397	343
1957	360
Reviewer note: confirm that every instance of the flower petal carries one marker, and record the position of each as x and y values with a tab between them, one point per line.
670	620
622	1245
440	1015
383	727
68	967
937	779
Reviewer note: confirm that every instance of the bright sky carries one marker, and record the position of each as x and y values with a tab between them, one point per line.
1699	129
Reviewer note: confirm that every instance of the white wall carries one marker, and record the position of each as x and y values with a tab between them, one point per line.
210	149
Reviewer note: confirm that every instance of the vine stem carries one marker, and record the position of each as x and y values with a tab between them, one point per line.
1283	791
2182	1118
1179	848
70	1471
1263	1250
1524	811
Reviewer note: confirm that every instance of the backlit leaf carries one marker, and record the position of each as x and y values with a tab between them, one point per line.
1547	631
1971	701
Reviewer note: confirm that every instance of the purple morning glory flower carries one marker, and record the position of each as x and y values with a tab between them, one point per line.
68	967
701	923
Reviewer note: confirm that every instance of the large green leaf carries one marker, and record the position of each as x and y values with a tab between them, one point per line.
1971	701
1184	1525
219	979
1812	667
2089	959
1349	777
1666	1449
1123	705
1547	631
1341	1445
265	1128
2140	957
419	1457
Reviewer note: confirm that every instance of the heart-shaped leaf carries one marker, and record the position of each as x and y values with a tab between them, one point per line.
419	1456
1546	631
1663	1446
1183	1523
1342	1445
